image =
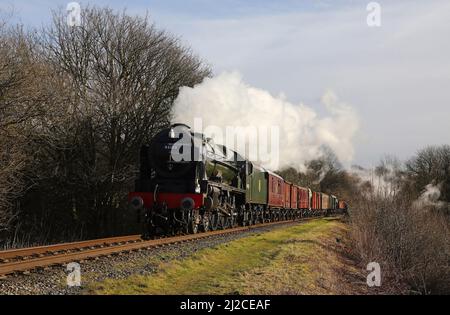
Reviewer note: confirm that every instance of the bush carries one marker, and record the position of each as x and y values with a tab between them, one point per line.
410	242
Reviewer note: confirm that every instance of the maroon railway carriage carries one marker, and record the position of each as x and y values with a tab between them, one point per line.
342	206
304	199
276	191
287	194
294	197
316	203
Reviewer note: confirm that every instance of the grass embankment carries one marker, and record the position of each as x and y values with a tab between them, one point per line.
302	259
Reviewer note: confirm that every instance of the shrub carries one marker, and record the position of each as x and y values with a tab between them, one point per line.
411	242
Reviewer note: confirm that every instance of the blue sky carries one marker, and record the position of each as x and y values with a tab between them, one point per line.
35	11
397	76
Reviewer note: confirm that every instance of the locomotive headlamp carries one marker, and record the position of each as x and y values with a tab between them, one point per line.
137	202
187	204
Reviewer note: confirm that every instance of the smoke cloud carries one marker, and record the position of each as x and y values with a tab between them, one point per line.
430	196
226	100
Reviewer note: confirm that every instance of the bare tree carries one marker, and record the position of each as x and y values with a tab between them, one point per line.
117	77
431	166
22	100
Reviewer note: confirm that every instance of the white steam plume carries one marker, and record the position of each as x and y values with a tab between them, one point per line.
226	100
430	196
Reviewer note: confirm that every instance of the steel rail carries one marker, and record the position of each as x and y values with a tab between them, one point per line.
22	253
32	263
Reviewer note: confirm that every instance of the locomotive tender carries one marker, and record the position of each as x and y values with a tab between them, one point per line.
187	184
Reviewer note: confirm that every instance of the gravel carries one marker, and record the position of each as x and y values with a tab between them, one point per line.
53	281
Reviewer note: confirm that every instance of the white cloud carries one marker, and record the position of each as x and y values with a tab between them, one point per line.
397	76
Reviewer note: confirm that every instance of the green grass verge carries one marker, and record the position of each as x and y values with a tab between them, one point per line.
293	260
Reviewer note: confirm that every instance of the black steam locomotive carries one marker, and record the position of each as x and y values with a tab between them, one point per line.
187	184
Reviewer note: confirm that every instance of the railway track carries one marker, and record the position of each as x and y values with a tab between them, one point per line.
34	258
39	251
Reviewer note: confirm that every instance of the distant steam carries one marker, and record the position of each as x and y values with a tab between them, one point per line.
226	100
430	196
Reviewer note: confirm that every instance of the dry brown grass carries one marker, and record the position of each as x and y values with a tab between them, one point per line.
411	244
316	263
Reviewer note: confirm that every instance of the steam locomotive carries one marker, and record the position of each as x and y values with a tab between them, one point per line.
188	184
